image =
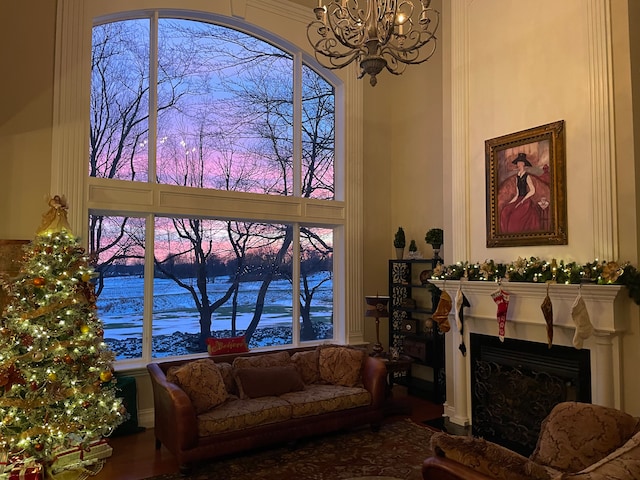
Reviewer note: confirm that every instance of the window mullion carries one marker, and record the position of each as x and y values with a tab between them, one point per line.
297	125
153	97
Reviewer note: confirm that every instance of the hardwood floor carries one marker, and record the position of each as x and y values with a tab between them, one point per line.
135	456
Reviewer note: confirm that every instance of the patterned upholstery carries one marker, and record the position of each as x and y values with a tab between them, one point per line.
576	435
307	365
317	399
240	414
202	382
577	441
226	370
341	365
220	392
622	464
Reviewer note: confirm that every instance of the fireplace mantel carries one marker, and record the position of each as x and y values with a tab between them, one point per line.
607	306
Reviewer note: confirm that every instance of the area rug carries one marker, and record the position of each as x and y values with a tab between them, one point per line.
397	450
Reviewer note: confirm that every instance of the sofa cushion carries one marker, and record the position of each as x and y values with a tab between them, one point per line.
278	359
318	399
202	382
622	464
221	346
339	365
488	458
307	365
265	360
575	435
226	370
240	414
266	381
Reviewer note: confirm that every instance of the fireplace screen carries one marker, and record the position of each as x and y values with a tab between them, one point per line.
515	385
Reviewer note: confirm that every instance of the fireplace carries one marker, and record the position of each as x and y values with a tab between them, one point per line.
602	351
515	384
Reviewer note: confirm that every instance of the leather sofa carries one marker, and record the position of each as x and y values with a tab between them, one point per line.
262	402
577	441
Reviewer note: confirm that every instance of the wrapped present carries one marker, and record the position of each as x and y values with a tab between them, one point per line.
24	472
76	457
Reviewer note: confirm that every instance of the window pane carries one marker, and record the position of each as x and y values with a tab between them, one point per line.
225	115
221	279
116	245
316	284
119	101
318	136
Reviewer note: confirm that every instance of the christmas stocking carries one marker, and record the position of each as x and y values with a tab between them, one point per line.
547	311
580	316
502	300
441	315
461	302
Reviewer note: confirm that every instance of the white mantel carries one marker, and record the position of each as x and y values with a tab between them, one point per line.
606	305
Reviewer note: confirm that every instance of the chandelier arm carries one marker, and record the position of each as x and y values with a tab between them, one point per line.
382	34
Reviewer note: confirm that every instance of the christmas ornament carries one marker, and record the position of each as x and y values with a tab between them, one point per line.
39	281
106	376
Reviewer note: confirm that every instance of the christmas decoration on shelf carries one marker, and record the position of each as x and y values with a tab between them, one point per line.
57	389
537	270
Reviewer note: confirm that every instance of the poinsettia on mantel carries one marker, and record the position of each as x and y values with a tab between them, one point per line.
537	270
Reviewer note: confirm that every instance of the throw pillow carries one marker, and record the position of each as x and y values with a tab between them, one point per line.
202	382
226	370
340	365
269	381
307	365
263	360
220	346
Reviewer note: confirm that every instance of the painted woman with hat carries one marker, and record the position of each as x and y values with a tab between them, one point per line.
521	213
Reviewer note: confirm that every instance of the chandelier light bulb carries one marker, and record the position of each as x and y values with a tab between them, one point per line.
377	34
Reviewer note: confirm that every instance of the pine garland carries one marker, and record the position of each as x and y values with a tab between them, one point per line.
537	270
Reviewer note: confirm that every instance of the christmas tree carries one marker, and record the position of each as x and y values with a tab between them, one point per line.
56	380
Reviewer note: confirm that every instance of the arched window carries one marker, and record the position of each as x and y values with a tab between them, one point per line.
216	183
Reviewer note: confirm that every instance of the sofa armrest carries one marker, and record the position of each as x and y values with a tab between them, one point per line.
174	416
441	468
374	379
488	458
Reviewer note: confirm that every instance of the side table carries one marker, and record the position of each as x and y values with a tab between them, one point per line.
396	406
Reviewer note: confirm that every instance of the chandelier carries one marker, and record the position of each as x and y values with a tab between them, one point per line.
376	33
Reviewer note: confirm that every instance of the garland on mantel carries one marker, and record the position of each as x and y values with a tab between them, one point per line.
537	270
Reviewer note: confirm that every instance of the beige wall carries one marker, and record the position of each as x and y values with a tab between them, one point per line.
26	85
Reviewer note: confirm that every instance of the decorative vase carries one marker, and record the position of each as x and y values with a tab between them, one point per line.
399	253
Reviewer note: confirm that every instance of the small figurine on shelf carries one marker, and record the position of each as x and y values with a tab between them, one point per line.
413	250
399	241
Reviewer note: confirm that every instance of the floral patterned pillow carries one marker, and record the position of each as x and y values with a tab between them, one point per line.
307	365
340	365
202	382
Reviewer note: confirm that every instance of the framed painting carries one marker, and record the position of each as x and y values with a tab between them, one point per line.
526	187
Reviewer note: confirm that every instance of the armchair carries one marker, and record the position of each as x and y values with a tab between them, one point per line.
577	441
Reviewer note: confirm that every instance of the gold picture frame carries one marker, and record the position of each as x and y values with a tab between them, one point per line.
526	187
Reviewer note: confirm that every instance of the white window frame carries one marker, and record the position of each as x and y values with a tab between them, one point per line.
284	24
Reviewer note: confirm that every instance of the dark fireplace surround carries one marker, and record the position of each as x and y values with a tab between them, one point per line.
516	383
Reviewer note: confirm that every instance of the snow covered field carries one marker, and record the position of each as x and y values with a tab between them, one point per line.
176	320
